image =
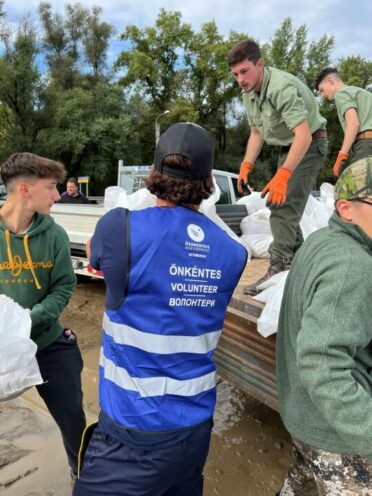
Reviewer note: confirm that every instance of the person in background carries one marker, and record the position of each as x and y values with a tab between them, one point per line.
169	273
281	110
36	272
72	193
354	109
324	348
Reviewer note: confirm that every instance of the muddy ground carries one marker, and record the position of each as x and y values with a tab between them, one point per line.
250	449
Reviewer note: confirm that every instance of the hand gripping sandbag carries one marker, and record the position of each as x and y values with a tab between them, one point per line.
18	365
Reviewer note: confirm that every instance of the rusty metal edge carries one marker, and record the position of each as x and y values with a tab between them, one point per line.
244	357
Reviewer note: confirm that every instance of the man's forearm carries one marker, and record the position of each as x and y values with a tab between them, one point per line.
254	146
351	130
300	145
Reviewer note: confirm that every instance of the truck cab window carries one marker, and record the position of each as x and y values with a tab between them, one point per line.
223	184
2	191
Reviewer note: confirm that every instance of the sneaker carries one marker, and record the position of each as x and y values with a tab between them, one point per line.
276	265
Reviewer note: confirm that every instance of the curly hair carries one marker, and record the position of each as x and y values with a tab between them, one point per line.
177	190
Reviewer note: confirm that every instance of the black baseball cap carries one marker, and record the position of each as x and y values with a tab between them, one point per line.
191	141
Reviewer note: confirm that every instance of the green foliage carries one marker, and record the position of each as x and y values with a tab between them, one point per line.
318	57
75	44
356	71
91	130
77	113
150	64
96	38
173	68
208	82
20	89
290	51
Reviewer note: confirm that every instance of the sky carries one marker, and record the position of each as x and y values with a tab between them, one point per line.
350	22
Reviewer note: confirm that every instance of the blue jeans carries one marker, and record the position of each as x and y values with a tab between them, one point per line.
115	468
60	365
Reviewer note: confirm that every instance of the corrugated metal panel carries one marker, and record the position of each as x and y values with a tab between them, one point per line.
247	359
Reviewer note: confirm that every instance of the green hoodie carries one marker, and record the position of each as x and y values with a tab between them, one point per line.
324	342
36	272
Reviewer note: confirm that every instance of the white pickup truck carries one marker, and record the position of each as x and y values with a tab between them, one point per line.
79	221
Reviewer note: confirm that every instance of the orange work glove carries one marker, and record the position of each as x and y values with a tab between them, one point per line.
277	188
245	169
341	157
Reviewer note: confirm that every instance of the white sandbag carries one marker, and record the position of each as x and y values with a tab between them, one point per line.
253	202
142	198
257	233
326	197
315	217
256	226
118	197
256	223
258	244
208	208
210	203
272	296
115	196
326	190
19	369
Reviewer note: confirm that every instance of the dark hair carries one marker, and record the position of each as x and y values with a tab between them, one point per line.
323	74
73	180
31	166
177	190
244	50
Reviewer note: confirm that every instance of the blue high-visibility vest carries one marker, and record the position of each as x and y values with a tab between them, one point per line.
156	367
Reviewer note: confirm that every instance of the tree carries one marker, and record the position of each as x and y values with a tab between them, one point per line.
152	64
318	57
60	48
356	71
90	131
287	50
20	88
96	41
75	44
290	51
209	82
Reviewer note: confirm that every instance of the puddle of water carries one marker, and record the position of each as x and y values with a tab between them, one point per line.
250	448
90	381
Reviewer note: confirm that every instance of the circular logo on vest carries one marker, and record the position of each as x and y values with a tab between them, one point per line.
195	232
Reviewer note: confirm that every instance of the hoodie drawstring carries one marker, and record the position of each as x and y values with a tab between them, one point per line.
29	260
28	256
8	249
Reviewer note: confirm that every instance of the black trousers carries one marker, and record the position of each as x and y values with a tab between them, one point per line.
60	366
114	468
